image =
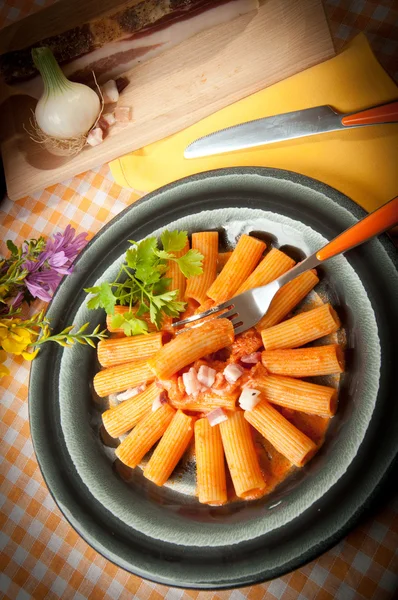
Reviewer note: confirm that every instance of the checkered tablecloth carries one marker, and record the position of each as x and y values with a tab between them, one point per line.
41	556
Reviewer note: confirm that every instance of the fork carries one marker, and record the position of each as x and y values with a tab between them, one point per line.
248	308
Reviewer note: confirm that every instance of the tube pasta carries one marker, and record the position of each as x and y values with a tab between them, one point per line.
241	263
241	456
301	329
285	437
148	431
130	361
121	377
207	243
190	346
271	267
170	448
120	350
210	465
287	298
222	259
178	279
127	414
304	362
298	395
207	401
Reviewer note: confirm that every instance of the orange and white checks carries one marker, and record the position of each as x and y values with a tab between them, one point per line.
41	555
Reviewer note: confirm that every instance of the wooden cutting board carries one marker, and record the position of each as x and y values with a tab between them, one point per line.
174	90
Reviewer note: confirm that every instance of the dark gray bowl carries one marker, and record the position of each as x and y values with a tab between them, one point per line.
165	535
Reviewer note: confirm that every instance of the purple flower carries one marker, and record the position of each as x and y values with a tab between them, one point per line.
37	290
53	263
12	303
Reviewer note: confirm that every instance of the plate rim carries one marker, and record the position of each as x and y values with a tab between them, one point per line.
312	553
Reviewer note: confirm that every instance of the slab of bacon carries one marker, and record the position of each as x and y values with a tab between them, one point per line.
114	44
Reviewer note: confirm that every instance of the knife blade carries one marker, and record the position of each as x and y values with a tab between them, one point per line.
287	126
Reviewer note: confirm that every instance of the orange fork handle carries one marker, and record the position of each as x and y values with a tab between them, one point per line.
378	221
386	113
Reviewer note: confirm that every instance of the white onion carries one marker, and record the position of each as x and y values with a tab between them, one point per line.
159	401
249	398
131	392
218	392
206	375
191	383
233	372
251	359
113	401
66	109
216	416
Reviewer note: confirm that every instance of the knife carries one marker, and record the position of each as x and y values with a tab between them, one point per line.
288	126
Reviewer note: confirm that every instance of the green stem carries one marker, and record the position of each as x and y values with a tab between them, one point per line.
53	78
142	288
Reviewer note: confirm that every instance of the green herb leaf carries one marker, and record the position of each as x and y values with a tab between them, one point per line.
131	258
174	308
134	326
130	324
173	241
162	286
141	281
142	309
146	252
190	264
148	274
12	247
164	255
117	321
103	298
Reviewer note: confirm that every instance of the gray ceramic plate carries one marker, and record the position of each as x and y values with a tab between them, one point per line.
163	534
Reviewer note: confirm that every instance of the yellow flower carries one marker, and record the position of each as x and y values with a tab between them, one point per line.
15	338
3	369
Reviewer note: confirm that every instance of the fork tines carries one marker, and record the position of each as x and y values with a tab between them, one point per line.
210	311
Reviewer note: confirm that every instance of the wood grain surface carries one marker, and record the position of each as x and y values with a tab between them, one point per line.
178	88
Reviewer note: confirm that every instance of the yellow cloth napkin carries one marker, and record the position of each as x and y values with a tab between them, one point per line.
362	163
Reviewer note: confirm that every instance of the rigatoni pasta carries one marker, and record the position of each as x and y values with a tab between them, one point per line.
304	362
190	346
127	414
240	400
178	279
145	435
210	467
243	260
301	329
287	298
170	448
285	437
206	243
222	259
206	401
121	377
271	267
298	395
120	350
241	456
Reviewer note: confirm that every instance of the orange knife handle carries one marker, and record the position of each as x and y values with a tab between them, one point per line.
386	113
378	221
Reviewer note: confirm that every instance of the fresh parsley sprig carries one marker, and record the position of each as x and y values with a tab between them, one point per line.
141	282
